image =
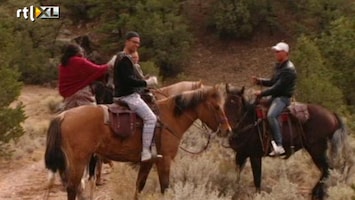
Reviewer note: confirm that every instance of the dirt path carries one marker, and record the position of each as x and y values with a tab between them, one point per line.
24	176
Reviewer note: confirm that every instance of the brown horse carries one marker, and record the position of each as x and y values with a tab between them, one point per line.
74	135
103	95
313	135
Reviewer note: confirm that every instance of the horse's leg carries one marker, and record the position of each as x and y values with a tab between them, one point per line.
143	173
240	160
75	175
98	170
255	162
163	167
319	157
51	177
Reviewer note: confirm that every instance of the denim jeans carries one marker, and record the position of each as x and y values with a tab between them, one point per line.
277	106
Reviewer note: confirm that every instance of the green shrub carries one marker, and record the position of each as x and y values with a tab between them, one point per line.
314	77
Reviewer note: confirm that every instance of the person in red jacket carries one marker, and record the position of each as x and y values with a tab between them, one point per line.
76	73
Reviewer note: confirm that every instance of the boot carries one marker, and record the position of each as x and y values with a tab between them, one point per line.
278	149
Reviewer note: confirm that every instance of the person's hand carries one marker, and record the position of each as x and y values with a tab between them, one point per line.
257	93
152	81
254	80
111	63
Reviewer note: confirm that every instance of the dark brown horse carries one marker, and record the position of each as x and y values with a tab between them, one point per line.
313	135
74	135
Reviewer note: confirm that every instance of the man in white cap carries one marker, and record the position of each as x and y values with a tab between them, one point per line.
281	88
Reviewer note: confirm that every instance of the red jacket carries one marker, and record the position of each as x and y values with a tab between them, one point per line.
77	74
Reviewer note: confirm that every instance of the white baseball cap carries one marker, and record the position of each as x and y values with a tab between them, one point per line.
281	46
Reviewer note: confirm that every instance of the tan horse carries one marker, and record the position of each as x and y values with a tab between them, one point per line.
176	88
159	93
76	134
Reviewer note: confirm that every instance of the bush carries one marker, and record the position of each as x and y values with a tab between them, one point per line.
235	19
314	77
10	118
164	36
338	47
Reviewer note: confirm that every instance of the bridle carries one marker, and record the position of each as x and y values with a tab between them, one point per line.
242	119
219	118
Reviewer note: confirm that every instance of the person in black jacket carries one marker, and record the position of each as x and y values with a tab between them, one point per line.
128	83
281	88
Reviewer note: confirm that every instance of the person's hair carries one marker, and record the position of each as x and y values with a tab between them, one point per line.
68	52
131	34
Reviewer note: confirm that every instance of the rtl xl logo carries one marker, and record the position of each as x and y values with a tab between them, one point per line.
42	12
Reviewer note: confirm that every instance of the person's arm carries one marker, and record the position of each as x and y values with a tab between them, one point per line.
126	73
265	82
91	70
282	82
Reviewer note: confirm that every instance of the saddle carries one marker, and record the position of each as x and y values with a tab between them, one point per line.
123	121
297	110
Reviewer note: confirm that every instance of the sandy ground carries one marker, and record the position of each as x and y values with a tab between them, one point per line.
24	175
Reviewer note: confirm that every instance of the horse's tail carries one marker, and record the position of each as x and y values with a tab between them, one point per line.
340	151
54	155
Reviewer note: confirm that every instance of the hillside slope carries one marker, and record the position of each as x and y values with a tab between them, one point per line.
214	60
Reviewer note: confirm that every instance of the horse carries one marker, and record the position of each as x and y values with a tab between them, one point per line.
104	95
322	127
176	88
76	134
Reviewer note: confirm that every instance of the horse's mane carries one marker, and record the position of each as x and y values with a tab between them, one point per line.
190	99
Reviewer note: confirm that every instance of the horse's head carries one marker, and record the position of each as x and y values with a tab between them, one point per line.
234	105
213	114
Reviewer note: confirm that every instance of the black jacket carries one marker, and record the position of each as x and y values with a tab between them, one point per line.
283	81
126	79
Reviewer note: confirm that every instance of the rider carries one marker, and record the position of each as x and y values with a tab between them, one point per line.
127	83
281	88
76	73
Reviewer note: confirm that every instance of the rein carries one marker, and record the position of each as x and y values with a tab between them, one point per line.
203	126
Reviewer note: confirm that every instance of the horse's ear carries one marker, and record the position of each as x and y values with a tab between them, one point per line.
242	90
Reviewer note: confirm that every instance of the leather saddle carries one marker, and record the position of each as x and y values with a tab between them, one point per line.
296	109
123	121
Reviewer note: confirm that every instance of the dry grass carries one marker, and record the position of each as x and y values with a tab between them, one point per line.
211	175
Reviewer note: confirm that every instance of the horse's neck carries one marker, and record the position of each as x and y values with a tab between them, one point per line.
249	110
177	124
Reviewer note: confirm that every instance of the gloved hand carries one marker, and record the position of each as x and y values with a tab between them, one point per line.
152	81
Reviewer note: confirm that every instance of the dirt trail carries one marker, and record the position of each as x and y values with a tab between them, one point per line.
24	177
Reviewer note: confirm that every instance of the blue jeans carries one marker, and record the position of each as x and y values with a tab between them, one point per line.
277	106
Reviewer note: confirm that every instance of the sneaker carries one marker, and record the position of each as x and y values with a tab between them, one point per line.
146	155
278	150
